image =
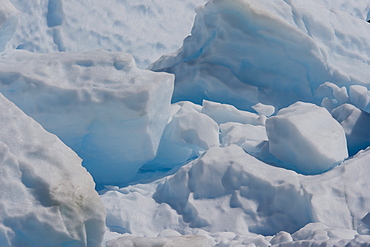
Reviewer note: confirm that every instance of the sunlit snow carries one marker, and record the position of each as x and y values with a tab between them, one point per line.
249	127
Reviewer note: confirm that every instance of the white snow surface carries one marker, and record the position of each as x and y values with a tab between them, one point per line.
95	102
146	29
47	197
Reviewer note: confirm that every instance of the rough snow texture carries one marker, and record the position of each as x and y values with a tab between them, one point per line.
145	29
47	198
9	16
108	111
307	138
229	197
245	52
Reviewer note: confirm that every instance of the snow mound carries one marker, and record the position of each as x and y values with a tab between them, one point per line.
307	138
245	52
47	198
8	22
145	29
108	111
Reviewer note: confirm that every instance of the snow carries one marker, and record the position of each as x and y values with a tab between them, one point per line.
94	102
259	137
307	138
145	29
47	198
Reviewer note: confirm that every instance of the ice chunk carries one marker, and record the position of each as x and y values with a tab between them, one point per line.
8	22
231	56
187	136
360	97
307	138
250	137
266	110
78	26
223	113
332	96
356	126
47	197
108	111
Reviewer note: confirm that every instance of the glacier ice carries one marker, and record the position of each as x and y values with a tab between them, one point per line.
108	111
210	174
271	52
47	198
307	138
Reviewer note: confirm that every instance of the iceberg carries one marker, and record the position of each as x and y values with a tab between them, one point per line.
98	103
47	197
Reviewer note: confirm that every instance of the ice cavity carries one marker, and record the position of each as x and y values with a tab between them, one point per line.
9	17
307	138
47	197
108	111
231	56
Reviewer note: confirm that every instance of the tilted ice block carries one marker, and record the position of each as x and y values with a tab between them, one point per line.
307	138
47	198
108	111
355	123
360	97
244	52
8	22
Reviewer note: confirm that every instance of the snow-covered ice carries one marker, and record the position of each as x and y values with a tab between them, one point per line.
269	99
47	198
108	111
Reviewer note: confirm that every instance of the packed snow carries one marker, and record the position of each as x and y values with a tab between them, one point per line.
254	133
